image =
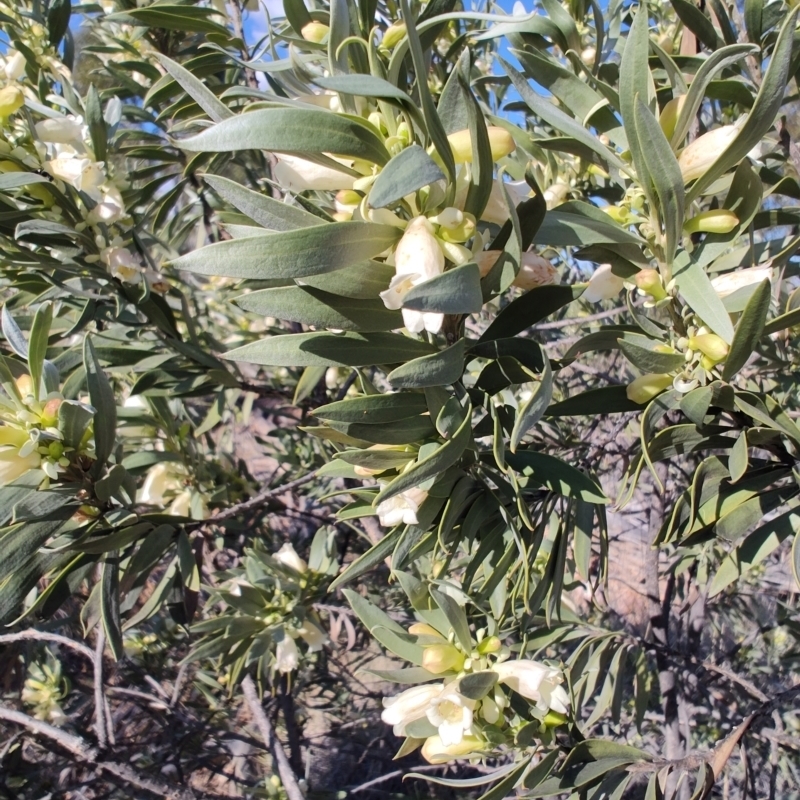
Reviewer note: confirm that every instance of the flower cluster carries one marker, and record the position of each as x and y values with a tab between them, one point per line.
32	431
469	712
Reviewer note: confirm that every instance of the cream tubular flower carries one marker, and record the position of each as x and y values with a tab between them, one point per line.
313	636
451	714
731	282
535	271
402	508
82	173
536	682
287	655
298	175
603	285
109	209
409	706
122	265
496	210
695	159
417	259
287	556
435	751
12	464
159	481
63	130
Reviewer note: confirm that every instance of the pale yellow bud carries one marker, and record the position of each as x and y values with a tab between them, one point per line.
423	629
717	221
646	387
439	658
618	213
695	159
668	118
11	100
315	32
489	645
649	281
25	385
394	35
588	56
665	43
710	345
50	412
500	141
434	751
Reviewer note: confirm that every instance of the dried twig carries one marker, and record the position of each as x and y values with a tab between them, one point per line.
86	754
43	636
285	772
260	499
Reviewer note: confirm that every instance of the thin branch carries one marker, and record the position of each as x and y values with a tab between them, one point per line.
260	499
43	636
396	774
565	323
285	772
86	754
238	28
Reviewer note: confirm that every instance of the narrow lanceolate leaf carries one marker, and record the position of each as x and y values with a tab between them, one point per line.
101	395
748	331
439	369
291	254
559	120
534	407
697	291
311	306
762	115
665	174
37	346
272	214
408	171
438	461
291	130
635	80
196	89
331	350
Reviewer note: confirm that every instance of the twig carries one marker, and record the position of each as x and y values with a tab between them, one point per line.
287	776
565	323
43	636
179	680
396	774
260	499
87	754
238	28
99	695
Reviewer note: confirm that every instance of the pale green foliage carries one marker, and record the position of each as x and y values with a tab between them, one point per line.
408	195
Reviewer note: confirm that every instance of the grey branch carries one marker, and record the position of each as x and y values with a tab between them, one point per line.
285	772
42	636
86	754
261	498
99	694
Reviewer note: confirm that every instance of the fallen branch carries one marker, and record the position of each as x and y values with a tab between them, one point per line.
285	772
84	753
43	636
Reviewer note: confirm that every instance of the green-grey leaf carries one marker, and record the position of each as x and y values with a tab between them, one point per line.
291	254
331	350
311	306
748	330
697	290
291	130
438	369
457	291
196	89
408	171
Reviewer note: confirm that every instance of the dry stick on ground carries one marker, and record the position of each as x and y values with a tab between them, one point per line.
285	772
43	636
99	695
85	754
260	499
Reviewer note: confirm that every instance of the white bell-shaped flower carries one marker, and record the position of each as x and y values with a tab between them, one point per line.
409	706
287	556
296	174
451	714
402	508
287	656
535	681
603	285
417	258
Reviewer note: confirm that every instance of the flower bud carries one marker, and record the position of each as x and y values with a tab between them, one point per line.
619	214
588	56
665	43
646	387
649	281
490	645
731	282
460	233
719	220
553	719
668	118
25	386
439	658
423	629
11	100
434	751
710	345
535	270
695	159
500	141
394	35
50	412
287	557
315	32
